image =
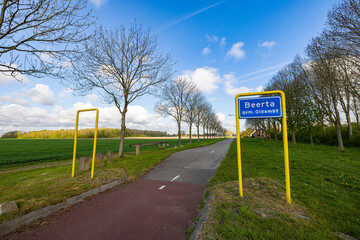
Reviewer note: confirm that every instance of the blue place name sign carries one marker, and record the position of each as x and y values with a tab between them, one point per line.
262	107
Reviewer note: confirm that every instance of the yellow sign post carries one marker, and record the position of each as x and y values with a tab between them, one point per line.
285	140
95	136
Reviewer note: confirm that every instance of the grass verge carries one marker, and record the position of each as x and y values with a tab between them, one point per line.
325	193
37	188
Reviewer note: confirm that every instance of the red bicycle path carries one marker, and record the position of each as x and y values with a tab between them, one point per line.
145	209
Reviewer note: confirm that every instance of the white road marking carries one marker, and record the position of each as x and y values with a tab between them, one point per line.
212	151
161	187
175	178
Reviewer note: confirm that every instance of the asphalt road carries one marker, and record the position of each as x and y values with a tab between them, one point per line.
161	205
194	166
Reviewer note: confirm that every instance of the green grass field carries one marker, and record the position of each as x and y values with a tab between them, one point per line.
325	184
13	151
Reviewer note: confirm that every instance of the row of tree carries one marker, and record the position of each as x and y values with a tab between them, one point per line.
83	133
325	84
56	38
183	101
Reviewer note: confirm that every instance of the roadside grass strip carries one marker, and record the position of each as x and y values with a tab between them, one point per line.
325	187
36	188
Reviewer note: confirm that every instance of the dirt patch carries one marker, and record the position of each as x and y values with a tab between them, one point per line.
263	196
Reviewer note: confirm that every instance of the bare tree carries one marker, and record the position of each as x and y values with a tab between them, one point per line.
173	99
355	108
191	107
345	77
207	109
199	112
324	83
206	121
36	37
124	64
344	25
285	80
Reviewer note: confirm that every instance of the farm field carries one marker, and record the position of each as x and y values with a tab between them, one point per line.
325	190
14	151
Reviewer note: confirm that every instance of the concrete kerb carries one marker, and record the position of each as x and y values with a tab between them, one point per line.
203	215
13	224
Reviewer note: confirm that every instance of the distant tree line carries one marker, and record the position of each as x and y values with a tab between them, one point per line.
323	88
183	101
83	133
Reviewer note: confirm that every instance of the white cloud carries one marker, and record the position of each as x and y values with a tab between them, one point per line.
233	91
212	38
12	99
206	51
98	3
7	78
214	99
206	78
46	57
18	117
230	78
41	94
220	116
92	97
66	92
223	42
236	51
67	64
267	44
50	57
259	89
226	121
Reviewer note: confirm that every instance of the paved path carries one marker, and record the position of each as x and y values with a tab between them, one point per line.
159	206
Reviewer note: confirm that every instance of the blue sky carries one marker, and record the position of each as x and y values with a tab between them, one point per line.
225	47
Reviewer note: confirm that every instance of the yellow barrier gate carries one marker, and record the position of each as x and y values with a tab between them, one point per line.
285	140
95	136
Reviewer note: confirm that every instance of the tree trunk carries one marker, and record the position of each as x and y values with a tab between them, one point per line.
207	133
179	133
323	126
356	112
348	120
190	133
338	135
311	137
275	130
204	132
122	133
269	127
293	137
198	133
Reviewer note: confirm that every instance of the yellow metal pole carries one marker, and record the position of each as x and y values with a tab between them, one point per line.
75	142
286	149
95	138
238	145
